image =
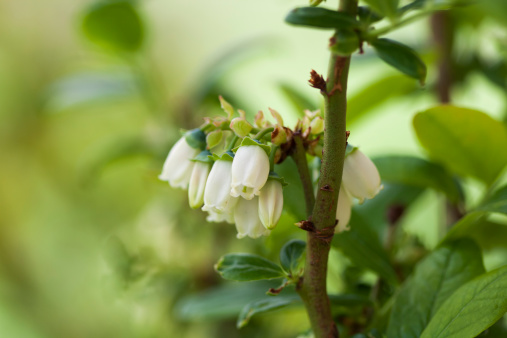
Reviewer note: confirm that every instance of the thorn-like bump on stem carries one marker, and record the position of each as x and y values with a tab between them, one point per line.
317	81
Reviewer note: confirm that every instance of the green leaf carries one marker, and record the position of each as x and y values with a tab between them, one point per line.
417	172
348	300
496	202
433	281
318	17
114	25
359	105
245	267
291	254
465	226
401	57
293	195
467	142
472	308
225	301
387	8
265	305
362	245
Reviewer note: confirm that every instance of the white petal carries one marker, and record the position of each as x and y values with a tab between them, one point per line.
360	176
218	186
220	217
197	184
271	203
343	211
246	217
250	170
177	166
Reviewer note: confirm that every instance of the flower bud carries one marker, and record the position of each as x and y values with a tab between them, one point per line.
279	135
246	217
217	197
217	217
317	125
343	211
360	176
250	169
240	126
271	203
198	179
344	42
178	165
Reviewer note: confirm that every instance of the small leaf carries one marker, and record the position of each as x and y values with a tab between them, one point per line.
401	57
433	281
496	202
265	305
384	7
417	172
465	226
114	25
467	142
245	267
222	302
472	308
291	253
318	17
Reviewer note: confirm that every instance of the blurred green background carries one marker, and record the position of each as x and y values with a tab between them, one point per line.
91	243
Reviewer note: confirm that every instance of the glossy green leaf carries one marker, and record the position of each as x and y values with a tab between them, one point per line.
246	267
291	253
318	17
387	8
497	202
373	95
293	195
265	305
467	142
225	301
114	25
417	172
472	308
401	57
465	226
433	281
362	245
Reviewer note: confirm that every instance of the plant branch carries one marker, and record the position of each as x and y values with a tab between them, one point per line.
312	289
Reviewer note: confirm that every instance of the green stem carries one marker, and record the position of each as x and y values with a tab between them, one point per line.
263	132
312	288
233	142
299	156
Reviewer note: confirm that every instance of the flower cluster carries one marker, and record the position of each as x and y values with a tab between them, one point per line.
227	165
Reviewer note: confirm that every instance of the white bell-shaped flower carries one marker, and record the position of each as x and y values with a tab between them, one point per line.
271	203
219	217
250	170
217	197
178	165
343	211
246	217
360	176
197	183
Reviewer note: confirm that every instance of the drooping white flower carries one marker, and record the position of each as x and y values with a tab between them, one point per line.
246	217
178	167
250	170
271	203
219	217
198	178
343	211
360	176
217	197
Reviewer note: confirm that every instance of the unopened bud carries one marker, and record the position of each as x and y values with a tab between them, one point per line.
240	126
279	135
317	125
